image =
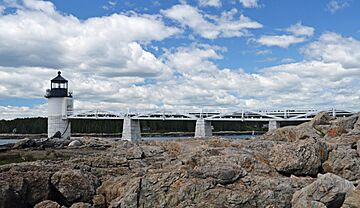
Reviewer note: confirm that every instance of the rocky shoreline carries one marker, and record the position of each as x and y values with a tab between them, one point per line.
144	134
315	164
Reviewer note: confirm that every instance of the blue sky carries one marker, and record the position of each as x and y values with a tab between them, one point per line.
150	55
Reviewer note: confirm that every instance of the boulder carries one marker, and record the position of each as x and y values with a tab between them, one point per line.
316	128
24	143
221	174
28	184
55	143
328	189
74	185
292	133
347	123
298	158
57	135
357	124
47	204
8	197
343	161
81	205
312	204
341	126
322	118
352	199
99	201
135	152
75	143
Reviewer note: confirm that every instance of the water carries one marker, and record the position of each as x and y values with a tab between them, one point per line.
8	141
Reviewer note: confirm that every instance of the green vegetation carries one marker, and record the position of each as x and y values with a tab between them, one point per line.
24	126
39	125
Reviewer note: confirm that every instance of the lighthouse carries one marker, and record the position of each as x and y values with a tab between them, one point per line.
60	106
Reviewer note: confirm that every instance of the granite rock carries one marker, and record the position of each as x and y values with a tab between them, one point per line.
328	189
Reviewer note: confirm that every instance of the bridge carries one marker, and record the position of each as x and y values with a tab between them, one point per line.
131	125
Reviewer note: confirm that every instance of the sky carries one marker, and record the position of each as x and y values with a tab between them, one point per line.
180	55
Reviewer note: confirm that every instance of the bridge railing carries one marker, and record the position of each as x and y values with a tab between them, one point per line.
261	115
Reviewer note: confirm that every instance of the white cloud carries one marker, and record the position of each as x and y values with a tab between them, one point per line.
332	47
108	45
249	3
193	59
214	3
211	27
298	34
300	30
12	112
335	5
44	6
282	41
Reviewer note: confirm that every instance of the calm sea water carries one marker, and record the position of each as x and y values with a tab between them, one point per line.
7	141
12	141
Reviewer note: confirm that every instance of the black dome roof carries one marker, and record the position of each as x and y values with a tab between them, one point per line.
59	78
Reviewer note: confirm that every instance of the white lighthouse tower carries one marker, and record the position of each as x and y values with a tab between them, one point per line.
60	106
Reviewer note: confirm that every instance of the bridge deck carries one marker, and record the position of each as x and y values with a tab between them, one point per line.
242	115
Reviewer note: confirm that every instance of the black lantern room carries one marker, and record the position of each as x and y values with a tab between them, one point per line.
59	87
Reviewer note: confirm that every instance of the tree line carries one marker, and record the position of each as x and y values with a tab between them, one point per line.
39	125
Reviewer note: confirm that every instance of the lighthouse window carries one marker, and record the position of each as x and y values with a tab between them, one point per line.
58	85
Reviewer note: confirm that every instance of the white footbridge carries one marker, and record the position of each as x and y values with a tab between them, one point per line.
203	118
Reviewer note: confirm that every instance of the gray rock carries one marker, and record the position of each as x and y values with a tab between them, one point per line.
328	189
75	143
47	204
345	162
55	142
135	152
24	143
8	197
302	157
221	173
352	199
312	204
357	124
347	123
322	118
81	205
28	184
99	201
74	185
316	128
292	133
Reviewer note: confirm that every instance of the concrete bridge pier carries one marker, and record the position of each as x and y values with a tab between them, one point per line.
203	128
274	125
131	130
